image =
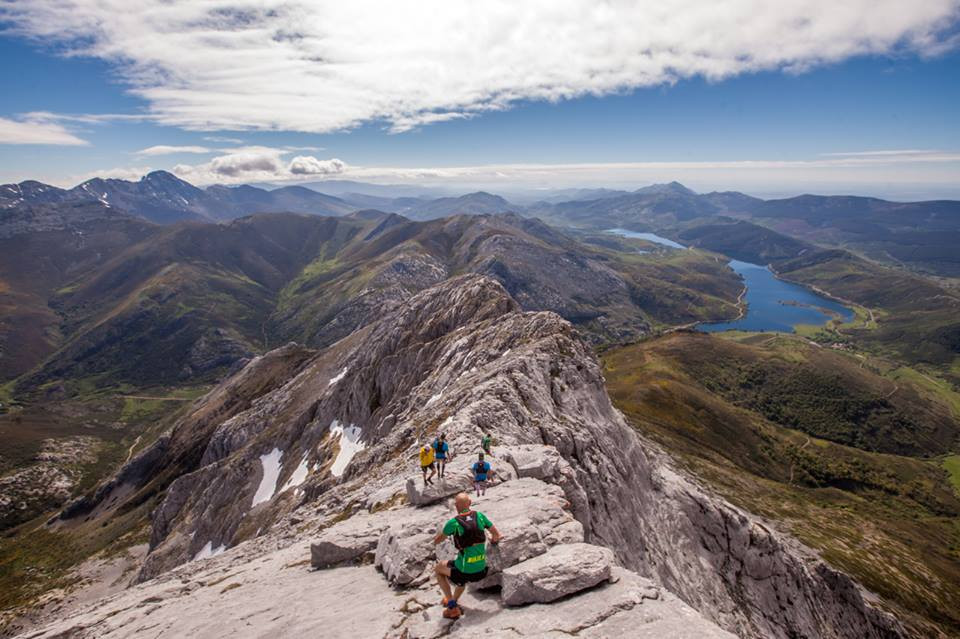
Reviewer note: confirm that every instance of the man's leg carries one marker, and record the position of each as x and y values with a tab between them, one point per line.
458	593
443	573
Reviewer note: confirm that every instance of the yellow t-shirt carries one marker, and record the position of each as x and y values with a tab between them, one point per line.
426	456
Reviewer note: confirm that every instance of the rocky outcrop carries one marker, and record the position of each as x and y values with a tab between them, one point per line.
533	516
215	348
335	439
457	478
350	541
47	482
255	592
563	570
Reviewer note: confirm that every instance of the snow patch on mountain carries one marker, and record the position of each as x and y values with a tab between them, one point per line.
298	477
209	550
338	377
270	464
350	445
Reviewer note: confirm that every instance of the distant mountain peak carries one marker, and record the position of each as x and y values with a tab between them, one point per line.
670	187
154	176
482	195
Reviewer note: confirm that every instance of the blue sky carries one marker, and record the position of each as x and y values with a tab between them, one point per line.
700	131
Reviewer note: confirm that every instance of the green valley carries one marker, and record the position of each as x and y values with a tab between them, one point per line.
842	450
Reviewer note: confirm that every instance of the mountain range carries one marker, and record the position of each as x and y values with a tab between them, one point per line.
118	298
918	235
163	198
245	371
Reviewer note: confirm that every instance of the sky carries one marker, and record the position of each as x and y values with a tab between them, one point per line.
768	98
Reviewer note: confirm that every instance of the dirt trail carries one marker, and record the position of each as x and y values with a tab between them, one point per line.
132	446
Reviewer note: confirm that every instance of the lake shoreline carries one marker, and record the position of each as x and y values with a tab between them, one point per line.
778	304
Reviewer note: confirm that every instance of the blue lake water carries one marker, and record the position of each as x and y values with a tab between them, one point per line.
650	237
775	305
772	304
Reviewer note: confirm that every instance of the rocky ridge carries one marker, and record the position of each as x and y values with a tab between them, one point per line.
326	442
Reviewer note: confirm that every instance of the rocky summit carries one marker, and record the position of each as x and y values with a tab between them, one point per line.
292	501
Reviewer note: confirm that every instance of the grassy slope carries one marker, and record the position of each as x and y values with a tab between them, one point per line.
916	320
889	520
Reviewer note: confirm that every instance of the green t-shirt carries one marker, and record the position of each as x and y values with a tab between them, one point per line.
472	558
486	441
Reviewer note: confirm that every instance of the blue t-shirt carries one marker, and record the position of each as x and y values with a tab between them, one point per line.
480	470
441	448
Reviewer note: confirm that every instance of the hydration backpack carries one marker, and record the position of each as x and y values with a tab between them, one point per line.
472	534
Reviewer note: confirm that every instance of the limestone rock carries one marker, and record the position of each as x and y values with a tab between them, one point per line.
420	495
562	570
457	477
461	358
350	541
403	556
537	461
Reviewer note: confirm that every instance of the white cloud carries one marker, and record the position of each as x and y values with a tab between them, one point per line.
309	165
903	174
163	149
904	154
223	140
267	164
258	164
85	118
36	131
130	173
318	67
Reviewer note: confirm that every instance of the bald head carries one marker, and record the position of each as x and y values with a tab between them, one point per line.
462	502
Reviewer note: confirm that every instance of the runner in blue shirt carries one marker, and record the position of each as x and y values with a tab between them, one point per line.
441	450
480	471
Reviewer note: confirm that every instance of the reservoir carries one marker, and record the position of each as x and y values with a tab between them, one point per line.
771	304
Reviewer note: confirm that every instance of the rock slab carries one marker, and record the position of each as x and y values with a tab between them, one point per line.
563	570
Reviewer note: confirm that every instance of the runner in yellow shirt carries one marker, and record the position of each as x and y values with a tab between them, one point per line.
426	463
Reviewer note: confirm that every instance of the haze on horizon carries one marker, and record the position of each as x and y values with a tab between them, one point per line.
770	99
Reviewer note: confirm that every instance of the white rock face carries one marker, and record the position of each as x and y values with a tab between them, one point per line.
235	596
349	541
403	555
530	514
585	476
563	570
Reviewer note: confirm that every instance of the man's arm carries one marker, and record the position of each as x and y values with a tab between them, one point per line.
495	535
446	530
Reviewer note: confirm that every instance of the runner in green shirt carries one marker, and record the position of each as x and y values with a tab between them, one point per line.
468	530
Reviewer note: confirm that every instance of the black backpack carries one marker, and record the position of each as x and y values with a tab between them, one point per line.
472	533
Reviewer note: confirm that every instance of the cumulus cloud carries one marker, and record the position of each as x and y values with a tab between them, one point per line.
309	165
258	164
320	67
37	131
164	149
